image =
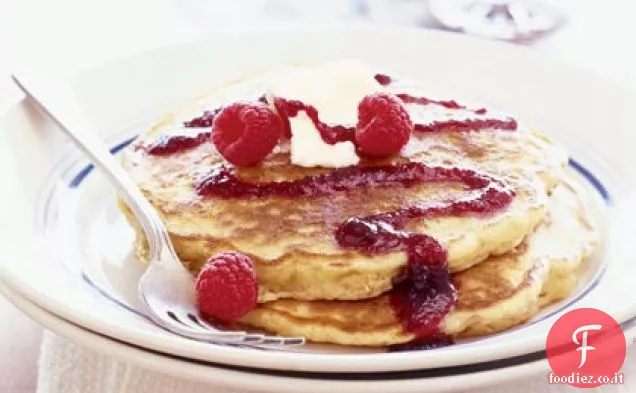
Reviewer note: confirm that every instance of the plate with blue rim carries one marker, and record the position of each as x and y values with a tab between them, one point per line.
192	372
68	250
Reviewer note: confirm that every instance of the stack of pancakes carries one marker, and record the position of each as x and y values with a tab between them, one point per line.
505	265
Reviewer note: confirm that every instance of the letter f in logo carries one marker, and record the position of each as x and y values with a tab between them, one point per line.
583	343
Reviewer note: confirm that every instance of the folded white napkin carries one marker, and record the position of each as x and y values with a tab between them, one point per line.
65	367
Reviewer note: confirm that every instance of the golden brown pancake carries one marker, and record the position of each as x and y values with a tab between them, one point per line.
497	294
291	240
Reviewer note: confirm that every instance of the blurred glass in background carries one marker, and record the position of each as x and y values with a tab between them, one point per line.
513	20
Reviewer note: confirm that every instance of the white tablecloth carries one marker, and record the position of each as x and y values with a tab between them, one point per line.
70	34
67	368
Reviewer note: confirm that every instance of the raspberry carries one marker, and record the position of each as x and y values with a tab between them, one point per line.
227	287
384	125
245	133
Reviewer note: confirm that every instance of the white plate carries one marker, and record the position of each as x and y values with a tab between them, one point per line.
195	371
68	249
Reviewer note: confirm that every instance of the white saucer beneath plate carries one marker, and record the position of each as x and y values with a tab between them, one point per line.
67	248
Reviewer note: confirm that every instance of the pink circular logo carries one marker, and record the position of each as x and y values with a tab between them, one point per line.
585	348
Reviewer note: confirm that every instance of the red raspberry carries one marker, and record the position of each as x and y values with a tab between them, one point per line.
227	287
245	133
384	125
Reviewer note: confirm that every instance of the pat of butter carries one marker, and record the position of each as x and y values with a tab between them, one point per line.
335	90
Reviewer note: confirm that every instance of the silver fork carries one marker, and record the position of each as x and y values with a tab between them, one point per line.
166	289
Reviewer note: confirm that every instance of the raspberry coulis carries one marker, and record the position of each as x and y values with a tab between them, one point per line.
449	104
383	79
334	133
425	294
504	123
170	144
331	134
205	120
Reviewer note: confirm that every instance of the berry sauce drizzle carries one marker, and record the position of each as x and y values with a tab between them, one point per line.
331	134
422	345
451	104
425	294
475	124
507	124
203	121
383	79
170	144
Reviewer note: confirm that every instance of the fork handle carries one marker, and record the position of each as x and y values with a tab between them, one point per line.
56	99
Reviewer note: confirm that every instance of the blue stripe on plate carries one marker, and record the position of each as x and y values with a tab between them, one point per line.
110	297
582	170
592	179
586	173
81	175
502	365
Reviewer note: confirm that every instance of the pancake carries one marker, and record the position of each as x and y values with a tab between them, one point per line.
291	241
498	294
